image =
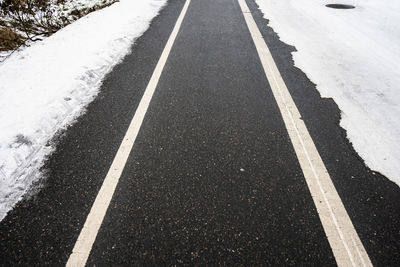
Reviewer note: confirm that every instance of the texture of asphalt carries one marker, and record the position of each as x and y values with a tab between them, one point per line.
212	177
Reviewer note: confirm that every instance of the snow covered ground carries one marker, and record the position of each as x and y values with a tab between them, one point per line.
353	56
43	88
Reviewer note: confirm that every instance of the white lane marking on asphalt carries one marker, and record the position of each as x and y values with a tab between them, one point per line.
343	238
87	236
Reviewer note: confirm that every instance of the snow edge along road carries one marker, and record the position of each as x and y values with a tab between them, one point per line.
47	87
343	238
87	236
356	65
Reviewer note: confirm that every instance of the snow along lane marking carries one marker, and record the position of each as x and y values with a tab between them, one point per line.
343	238
87	236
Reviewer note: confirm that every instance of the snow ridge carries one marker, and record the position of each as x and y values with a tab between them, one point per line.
45	87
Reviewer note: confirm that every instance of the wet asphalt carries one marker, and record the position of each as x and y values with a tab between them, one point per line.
212	178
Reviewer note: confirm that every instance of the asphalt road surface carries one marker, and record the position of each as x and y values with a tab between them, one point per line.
213	177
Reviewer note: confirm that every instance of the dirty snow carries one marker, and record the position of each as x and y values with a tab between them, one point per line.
354	57
43	88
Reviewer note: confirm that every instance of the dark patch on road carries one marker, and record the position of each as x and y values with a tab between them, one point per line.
340	6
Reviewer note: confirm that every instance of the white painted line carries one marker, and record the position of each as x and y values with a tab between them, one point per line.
87	236
343	238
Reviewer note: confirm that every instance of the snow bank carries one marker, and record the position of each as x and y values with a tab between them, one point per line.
46	86
354	57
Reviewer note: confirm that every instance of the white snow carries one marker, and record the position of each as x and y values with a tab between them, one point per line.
353	56
43	88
